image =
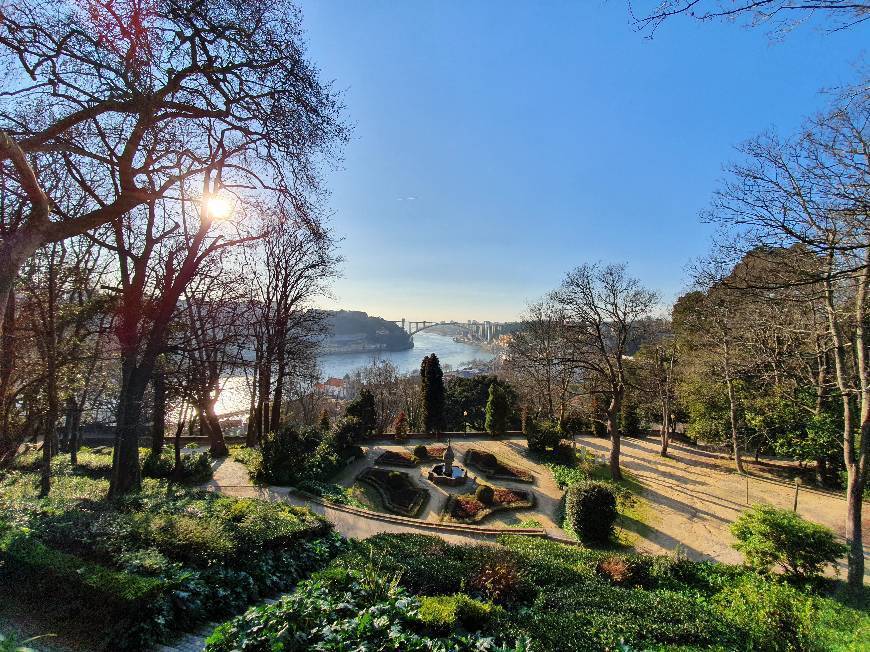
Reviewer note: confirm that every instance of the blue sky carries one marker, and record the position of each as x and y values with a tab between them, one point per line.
496	145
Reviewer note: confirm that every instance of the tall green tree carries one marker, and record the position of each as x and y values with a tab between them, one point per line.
363	408
432	394
466	400
496	411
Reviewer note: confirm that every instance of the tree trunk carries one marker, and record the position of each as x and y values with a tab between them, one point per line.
732	410
613	432
217	444
74	436
126	474
158	418
666	428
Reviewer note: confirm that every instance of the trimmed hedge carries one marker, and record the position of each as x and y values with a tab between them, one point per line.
590	508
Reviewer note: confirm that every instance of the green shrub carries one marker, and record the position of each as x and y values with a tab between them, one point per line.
443	613
485	494
590	509
768	536
544	435
195	467
420	452
772	616
353	611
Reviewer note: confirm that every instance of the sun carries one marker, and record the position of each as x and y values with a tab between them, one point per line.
218	208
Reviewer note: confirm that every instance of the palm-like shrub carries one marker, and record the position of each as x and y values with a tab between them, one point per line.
590	508
767	536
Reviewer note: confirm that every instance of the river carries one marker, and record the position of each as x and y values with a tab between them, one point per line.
235	395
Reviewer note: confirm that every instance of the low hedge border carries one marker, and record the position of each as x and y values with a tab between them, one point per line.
416	506
472	459
487	511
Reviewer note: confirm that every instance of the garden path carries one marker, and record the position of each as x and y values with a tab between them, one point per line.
695	496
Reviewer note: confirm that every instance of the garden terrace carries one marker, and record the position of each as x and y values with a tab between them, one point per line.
398	458
397	491
494	469
125	574
467	508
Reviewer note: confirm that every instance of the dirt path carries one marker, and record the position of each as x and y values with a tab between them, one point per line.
694	498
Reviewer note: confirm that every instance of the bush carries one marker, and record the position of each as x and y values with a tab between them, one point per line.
487	460
590	508
396	480
772	616
485	494
348	431
767	536
420	452
443	613
343	611
543	435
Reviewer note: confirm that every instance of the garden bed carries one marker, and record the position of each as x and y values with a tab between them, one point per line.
398	493
398	458
493	468
466	508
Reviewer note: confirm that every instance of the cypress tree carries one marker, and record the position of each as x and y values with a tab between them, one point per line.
432	394
496	410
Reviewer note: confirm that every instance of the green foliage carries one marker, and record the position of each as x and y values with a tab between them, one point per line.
770	615
444	613
768	536
351	611
363	408
432	397
466	400
629	419
348	431
195	467
496	411
290	457
485	494
590	508
420	452
543	435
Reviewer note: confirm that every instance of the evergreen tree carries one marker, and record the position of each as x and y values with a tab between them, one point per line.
400	425
323	421
432	394
496	411
629	420
363	408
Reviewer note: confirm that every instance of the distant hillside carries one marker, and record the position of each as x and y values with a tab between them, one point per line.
353	331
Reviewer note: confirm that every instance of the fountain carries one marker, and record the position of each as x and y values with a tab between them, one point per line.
445	472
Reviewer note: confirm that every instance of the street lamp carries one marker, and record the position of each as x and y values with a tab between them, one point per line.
465	419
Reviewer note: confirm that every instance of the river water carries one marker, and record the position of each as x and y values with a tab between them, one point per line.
235	395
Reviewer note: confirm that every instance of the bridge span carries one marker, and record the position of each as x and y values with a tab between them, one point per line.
479	331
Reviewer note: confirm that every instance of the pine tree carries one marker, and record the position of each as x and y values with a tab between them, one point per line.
432	394
496	411
363	408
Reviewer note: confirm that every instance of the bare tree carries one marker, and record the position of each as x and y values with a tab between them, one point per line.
603	308
781	14
87	98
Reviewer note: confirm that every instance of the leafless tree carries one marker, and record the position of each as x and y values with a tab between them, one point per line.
603	307
780	14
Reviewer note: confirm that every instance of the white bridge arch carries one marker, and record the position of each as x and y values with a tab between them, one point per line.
483	331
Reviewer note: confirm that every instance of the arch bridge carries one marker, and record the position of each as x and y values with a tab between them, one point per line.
477	331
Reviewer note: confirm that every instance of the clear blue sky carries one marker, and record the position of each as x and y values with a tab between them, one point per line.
535	136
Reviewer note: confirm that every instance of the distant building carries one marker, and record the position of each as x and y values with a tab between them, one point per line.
334	387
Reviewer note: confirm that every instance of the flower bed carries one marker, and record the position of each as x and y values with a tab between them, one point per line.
398	458
399	494
493	468
436	452
466	508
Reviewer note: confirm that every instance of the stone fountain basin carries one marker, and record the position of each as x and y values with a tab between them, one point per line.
437	475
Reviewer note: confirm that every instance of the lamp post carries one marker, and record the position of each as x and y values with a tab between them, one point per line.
465	419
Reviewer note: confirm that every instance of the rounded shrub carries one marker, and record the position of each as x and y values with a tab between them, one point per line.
767	536
590	508
395	480
488	460
420	452
485	494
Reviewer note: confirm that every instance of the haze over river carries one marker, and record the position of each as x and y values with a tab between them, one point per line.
235	396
